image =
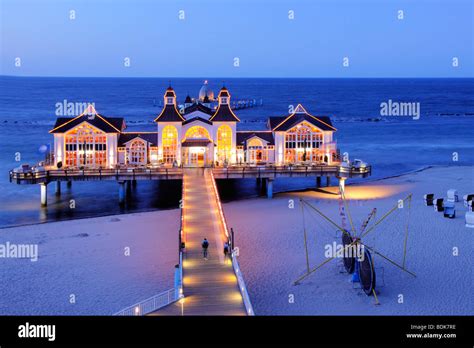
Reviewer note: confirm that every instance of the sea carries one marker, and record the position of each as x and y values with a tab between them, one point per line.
443	133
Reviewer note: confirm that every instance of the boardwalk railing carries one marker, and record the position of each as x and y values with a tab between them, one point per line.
242	287
235	263
151	304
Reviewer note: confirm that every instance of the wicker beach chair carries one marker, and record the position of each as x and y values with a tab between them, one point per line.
449	210
453	195
468	198
429	197
470	219
438	204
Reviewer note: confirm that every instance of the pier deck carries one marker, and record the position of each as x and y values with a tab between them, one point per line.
210	286
267	173
231	172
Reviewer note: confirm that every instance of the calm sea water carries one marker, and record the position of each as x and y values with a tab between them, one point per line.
393	145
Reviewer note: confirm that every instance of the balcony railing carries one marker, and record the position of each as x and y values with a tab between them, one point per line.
64	174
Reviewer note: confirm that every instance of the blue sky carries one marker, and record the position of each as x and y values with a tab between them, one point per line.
258	33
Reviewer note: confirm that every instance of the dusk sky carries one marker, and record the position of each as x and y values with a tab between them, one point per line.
260	34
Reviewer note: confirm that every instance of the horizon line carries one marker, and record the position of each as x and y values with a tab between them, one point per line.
242	77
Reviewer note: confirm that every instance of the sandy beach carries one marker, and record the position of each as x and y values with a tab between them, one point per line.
270	237
87	257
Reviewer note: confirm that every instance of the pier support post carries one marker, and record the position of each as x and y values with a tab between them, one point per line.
318	181
342	186
328	181
69	184
263	186
269	188
58	188
259	181
44	194
122	192
134	183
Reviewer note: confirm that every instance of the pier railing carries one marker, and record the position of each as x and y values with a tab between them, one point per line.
231	172
40	176
289	171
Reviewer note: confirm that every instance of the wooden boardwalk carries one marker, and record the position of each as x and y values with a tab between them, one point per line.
210	286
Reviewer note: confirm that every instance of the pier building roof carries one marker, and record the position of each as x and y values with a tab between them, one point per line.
243	136
150	137
198	107
105	124
284	123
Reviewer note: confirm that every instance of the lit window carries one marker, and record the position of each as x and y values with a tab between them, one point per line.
197	132
224	143
170	144
137	152
85	146
303	143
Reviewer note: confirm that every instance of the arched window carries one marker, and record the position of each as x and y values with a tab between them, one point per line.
256	151
170	144
137	152
303	143
224	143
197	132
85	146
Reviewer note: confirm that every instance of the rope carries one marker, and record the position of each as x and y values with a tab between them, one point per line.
305	241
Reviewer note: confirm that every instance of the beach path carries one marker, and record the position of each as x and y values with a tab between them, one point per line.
210	286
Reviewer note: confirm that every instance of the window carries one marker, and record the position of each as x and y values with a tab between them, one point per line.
224	143
169	101
303	143
197	132
223	100
85	146
256	151
137	152
170	144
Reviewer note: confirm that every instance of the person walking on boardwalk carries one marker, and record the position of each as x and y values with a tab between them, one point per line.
226	250
205	245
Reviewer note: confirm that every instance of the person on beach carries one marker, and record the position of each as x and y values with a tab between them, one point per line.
205	245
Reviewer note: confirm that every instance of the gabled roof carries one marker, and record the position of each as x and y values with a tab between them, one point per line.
224	114
169	114
150	137
242	137
194	119
198	107
105	124
300	115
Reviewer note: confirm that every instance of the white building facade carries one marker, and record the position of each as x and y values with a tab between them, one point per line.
193	135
